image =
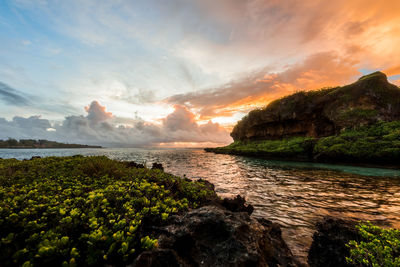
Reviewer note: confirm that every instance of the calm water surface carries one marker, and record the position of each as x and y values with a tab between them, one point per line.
295	195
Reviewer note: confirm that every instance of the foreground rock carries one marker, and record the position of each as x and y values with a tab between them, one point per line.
237	204
329	243
215	236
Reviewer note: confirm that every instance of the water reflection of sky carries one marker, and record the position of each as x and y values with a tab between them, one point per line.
295	195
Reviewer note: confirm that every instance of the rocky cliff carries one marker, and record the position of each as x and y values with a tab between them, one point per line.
323	112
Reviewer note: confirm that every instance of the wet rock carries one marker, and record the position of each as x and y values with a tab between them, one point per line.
214	236
157	166
132	164
35	157
329	243
237	204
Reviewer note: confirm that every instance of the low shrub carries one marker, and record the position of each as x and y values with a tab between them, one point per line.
379	247
84	210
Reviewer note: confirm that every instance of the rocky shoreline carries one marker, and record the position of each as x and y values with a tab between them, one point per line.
224	233
215	236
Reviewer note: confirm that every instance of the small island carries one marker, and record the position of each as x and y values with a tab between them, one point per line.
31	143
356	123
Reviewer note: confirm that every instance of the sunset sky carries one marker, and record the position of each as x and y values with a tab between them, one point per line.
177	72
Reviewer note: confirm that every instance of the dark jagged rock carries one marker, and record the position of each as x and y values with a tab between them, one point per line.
35	157
157	166
323	112
237	204
213	236
328	248
132	164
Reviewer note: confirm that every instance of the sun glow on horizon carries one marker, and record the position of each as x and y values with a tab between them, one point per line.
191	144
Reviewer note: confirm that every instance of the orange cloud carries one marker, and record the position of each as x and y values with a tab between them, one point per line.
393	71
397	82
258	89
286	31
325	42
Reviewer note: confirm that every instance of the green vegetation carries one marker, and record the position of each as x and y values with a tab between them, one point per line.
30	143
294	147
380	247
85	210
378	143
376	74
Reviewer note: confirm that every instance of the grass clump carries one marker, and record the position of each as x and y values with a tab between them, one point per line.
71	211
380	247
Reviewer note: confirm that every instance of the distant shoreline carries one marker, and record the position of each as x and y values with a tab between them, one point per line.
39	144
50	147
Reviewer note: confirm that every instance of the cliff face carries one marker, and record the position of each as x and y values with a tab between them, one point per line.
323	112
